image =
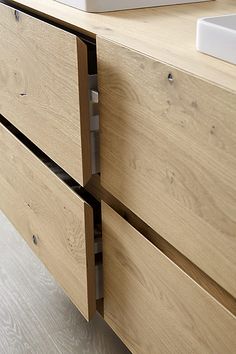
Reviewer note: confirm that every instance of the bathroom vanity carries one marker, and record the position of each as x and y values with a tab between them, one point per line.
118	166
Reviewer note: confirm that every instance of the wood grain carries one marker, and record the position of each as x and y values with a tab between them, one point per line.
153	305
168	153
214	289
44	89
166	33
35	314
38	203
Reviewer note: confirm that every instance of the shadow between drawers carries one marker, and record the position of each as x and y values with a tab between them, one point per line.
92	229
206	282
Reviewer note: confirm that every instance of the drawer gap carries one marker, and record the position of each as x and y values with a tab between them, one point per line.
194	272
61	174
94	123
99	275
77	189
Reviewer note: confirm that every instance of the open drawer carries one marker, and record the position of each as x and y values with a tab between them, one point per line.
152	304
44	88
53	219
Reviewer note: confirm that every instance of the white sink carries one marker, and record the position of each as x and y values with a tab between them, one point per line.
216	36
112	5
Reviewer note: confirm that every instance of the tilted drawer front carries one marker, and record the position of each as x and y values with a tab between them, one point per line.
55	222
152	304
44	88
168	153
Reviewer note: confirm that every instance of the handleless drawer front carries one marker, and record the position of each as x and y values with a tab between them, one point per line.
44	89
152	304
54	221
168	153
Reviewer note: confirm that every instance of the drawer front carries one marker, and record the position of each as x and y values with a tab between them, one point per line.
55	222
168	153
152	304
44	89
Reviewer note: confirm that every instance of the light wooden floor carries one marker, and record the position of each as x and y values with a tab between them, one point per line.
35	315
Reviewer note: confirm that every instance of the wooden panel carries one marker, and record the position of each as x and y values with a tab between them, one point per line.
38	203
36	313
167	33
153	305
168	153
221	295
44	88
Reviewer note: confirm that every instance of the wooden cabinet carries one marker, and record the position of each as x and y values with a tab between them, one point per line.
44	88
168	153
151	303
166	135
55	222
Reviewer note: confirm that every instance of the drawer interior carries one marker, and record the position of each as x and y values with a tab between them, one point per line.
94	123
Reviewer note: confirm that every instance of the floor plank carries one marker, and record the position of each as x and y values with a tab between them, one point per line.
35	315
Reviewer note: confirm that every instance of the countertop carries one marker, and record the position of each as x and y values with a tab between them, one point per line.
165	33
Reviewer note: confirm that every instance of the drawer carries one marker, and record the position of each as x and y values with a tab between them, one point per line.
168	153
44	89
55	222
151	303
